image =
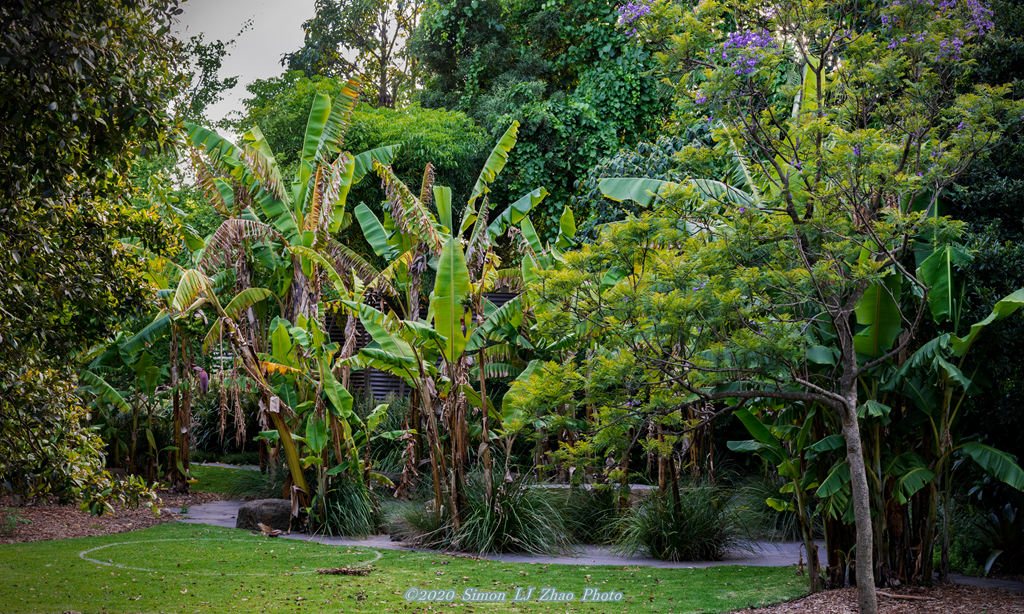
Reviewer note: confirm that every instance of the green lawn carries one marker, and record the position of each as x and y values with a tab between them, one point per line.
179	567
236	482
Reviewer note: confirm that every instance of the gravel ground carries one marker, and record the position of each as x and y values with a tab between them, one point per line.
53	521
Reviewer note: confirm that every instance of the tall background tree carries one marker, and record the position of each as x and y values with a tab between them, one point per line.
365	38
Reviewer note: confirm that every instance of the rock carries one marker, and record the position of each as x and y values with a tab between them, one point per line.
275	513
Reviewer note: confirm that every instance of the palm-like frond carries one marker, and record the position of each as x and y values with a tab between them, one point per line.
510	280
311	217
219	192
479	240
495	162
407	211
338	121
261	161
252	168
222	248
387	279
427	186
105	391
741	175
345	259
193	288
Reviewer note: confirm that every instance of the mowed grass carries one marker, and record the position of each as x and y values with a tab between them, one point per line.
196	568
236	482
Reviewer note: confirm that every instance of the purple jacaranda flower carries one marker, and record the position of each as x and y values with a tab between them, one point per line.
701	99
631	11
743	50
980	21
856	150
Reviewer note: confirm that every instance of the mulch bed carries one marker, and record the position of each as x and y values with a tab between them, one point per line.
54	521
947	599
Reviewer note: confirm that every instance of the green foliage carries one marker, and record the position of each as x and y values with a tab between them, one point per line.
447	139
351	510
652	160
520	518
54	452
578	86
757	517
362	37
990	197
9	521
700	527
85	85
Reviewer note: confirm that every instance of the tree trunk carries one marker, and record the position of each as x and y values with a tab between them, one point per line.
485	444
866	598
807	532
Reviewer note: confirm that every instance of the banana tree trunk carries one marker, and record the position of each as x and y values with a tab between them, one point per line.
485	444
181	414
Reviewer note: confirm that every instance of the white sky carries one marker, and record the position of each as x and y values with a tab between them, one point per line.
276	30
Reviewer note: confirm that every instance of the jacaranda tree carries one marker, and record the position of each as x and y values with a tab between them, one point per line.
849	123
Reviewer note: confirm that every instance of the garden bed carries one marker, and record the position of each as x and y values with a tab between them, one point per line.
948	599
48	521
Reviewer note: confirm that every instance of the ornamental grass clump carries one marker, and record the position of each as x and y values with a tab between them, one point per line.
518	518
350	511
699	527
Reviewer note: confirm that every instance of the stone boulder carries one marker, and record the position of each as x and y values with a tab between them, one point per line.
275	513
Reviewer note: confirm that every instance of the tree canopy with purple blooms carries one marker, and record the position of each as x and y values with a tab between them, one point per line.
798	279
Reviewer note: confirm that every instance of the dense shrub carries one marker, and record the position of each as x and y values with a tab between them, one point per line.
48	448
700	528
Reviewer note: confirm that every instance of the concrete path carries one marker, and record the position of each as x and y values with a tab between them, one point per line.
753	553
765	554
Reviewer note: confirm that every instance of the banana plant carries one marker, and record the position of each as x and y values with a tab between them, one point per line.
933	377
139	399
245	182
787	444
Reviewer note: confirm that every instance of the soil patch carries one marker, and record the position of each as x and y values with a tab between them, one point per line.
948	599
54	521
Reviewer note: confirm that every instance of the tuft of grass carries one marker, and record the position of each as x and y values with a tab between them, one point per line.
179	567
701	528
520	519
10	519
